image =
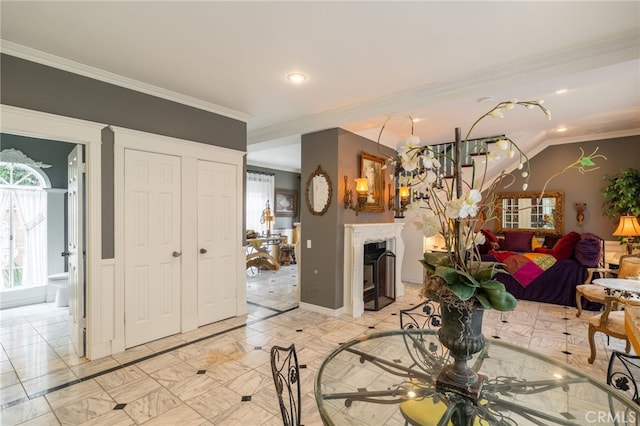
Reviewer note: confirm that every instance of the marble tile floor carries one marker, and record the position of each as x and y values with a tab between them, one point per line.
220	373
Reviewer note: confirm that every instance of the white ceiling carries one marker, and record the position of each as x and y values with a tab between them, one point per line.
365	61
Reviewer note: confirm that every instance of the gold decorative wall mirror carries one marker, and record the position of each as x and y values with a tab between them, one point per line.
318	192
516	211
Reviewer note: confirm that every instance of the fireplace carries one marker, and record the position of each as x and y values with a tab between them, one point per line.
355	238
379	276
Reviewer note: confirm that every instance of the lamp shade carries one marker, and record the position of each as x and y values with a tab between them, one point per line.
404	192
627	227
362	185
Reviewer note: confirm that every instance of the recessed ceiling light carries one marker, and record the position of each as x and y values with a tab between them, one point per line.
296	77
562	129
561	91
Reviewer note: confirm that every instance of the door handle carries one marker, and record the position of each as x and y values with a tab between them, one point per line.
65	254
203	250
177	253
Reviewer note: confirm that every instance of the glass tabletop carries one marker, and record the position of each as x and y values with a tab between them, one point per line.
389	378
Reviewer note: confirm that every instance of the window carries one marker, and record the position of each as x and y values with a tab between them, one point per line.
260	189
23	226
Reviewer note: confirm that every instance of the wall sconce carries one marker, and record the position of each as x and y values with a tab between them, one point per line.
628	227
403	195
266	218
580	216
362	188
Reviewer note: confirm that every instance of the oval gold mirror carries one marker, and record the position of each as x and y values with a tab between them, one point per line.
318	193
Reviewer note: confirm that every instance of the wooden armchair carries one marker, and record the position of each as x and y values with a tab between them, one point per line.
629	267
610	322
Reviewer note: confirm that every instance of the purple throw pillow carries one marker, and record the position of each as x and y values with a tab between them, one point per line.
587	251
518	241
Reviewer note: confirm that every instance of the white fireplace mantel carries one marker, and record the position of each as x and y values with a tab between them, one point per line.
355	237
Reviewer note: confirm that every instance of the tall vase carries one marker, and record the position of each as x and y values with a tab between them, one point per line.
461	333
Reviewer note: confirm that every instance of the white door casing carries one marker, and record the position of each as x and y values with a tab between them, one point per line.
152	246
51	127
75	248
217	221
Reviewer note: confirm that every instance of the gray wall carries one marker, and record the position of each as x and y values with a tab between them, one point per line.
337	151
38	87
283	180
583	188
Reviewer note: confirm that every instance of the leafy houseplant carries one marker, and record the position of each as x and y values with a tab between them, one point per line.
622	194
451	206
623	198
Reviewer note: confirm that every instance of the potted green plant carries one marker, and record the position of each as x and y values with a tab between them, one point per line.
622	194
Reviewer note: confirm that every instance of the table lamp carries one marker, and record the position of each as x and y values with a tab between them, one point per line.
266	218
628	227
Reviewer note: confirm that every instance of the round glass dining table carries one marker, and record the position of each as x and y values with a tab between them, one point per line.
389	378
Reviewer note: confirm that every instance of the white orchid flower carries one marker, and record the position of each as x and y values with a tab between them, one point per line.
428	224
429	161
410	143
409	162
493	156
503	144
430	177
496	113
452	208
470	204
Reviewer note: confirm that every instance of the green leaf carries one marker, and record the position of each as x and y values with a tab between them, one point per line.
448	274
492	285
586	161
501	300
436	259
484	301
463	291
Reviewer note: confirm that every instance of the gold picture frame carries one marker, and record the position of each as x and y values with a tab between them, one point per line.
371	168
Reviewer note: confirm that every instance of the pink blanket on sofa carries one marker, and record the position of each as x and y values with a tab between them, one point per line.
524	267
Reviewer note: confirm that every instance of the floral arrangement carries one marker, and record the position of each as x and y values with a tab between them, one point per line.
455	208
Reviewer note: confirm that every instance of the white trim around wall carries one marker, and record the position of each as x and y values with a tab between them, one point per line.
36	124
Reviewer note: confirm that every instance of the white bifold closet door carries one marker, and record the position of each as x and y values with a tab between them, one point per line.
217	241
152	255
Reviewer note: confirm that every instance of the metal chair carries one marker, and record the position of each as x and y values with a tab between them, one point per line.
286	377
425	315
595	293
624	374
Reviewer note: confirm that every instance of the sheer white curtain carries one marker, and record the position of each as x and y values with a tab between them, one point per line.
32	207
5	203
260	188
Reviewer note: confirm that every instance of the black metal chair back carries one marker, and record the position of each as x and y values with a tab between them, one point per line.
286	377
624	374
425	315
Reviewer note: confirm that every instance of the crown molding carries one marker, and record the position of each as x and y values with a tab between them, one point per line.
43	58
620	48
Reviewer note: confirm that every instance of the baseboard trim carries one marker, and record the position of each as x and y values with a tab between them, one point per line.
321	309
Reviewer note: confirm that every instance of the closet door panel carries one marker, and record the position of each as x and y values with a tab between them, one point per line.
152	246
217	241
